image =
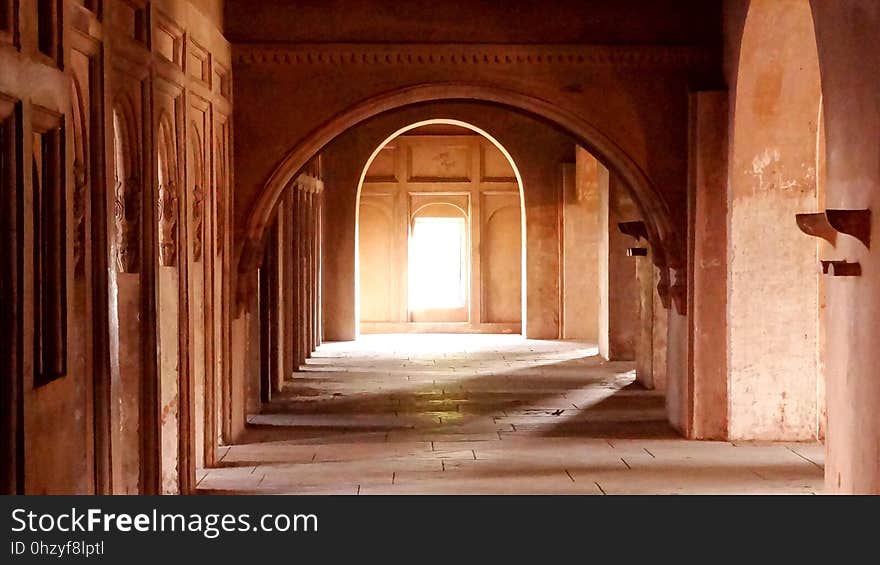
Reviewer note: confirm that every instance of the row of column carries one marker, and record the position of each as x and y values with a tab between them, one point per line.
290	285
306	289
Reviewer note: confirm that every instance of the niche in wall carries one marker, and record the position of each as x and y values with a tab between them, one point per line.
50	247
49	29
9	22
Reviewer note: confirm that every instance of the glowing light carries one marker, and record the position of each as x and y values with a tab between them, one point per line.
437	263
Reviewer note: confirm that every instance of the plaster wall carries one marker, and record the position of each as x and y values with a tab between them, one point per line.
848	44
708	306
580	202
618	284
773	343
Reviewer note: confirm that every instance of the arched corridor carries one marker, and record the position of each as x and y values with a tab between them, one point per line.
299	247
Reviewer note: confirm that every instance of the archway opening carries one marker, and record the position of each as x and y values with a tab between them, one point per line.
440	233
403	192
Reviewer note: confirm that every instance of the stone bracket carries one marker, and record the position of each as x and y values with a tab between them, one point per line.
817	225
827	224
841	268
855	223
673	289
636	230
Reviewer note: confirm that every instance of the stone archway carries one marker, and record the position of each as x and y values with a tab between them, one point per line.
666	239
476	289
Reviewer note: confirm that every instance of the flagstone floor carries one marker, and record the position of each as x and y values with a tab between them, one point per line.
486	414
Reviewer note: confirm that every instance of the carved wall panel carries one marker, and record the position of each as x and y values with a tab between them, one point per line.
11	295
501	257
168	39
439	160
127	187
50	246
167	210
9	22
384	165
82	114
198	173
198	62
377	274
222	169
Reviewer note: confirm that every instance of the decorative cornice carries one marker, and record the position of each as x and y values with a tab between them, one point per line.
347	54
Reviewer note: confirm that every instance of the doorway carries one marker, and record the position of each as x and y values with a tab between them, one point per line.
440	234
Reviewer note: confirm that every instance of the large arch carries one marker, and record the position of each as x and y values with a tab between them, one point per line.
668	244
522	204
774	378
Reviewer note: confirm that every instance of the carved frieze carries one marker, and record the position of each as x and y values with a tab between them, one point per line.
127	220
167	220
485	54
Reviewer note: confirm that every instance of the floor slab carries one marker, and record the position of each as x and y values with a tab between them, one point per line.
487	414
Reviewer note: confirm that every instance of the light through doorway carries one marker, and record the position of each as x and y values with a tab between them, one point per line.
438	268
440	244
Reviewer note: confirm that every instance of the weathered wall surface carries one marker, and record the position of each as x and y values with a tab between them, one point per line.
773	343
580	224
848	44
708	376
618	284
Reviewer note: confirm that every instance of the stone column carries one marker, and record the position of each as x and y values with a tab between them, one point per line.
580	264
847	45
309	274
708	238
618	289
644	347
772	275
300	281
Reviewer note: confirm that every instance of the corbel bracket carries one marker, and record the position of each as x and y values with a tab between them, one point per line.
841	268
855	223
636	230
827	224
817	225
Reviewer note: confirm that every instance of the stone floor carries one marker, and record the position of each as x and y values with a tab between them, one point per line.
444	414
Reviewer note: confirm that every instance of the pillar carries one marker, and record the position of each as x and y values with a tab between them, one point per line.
708	239
772	276
847	45
644	346
618	289
580	237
